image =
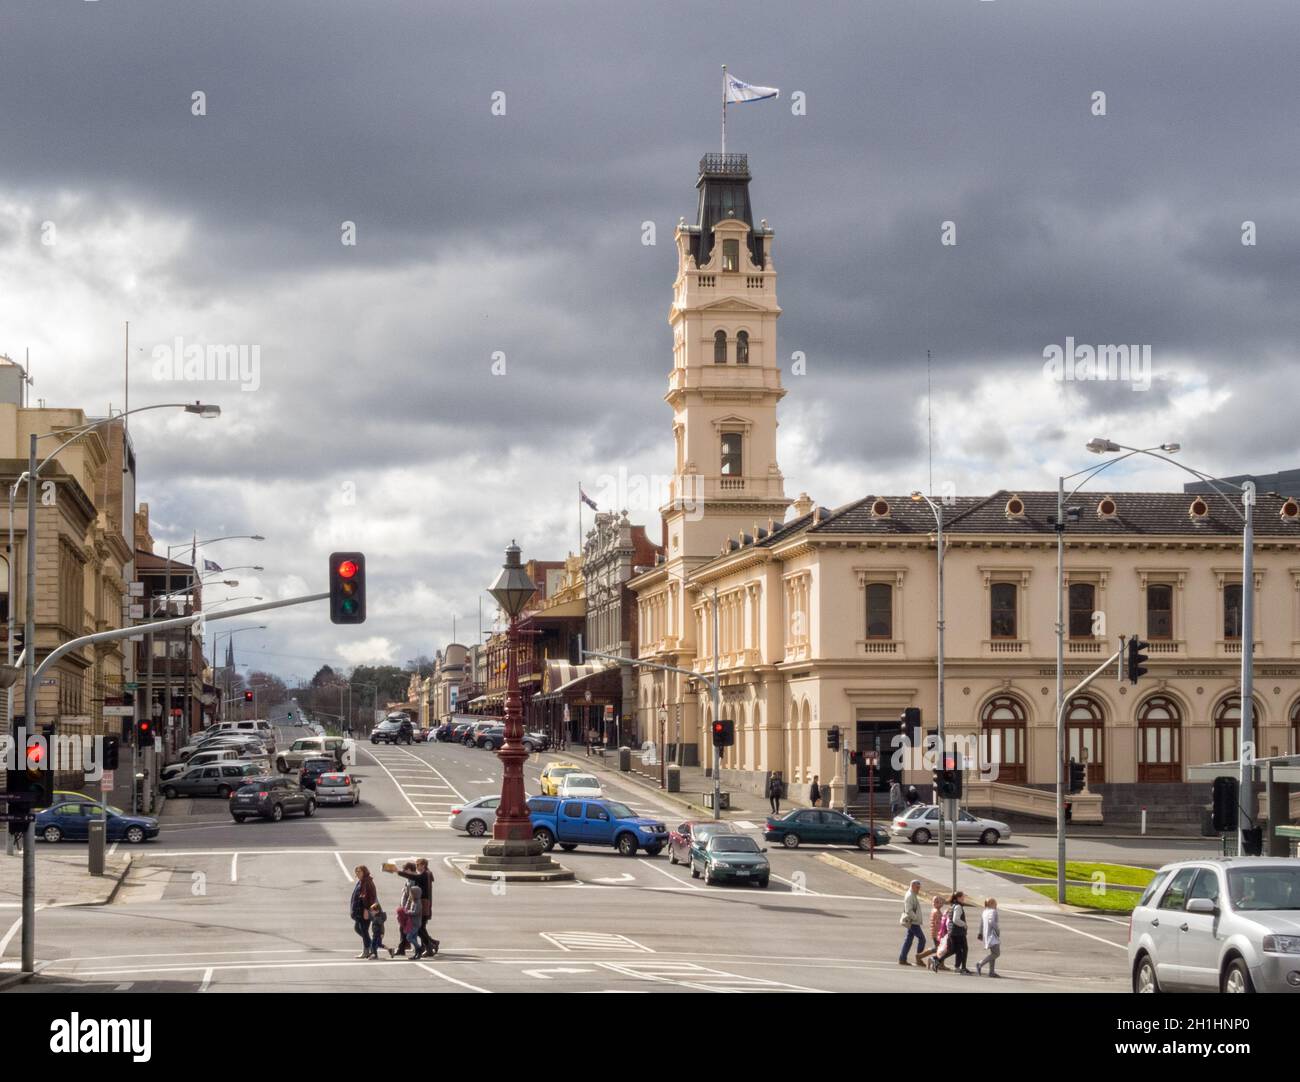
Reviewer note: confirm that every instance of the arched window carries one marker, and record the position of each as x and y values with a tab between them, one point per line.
731	254
1160	740
1295	729
1227	729
1160	611
1083	603
742	347
731	461
1002	739
720	347
880	610
1085	732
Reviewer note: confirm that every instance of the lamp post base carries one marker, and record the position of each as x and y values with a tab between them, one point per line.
516	862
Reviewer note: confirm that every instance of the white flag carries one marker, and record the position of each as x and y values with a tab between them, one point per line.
738	91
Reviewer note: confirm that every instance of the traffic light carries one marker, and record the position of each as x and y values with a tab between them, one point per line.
1137	659
144	733
1078	772
833	738
1252	842
347	588
724	733
248	696
909	724
31	785
1224	814
947	784
111	748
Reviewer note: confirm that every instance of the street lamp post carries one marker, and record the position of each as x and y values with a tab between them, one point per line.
937	509
514	854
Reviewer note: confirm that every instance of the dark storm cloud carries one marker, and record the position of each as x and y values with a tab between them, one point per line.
522	234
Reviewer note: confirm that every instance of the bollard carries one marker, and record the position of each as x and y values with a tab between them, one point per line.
625	759
674	778
96	848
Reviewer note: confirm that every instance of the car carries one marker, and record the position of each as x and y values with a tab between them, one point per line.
535	742
201	758
470	737
720	856
389	731
210	779
476	817
580	785
313	768
570	823
443	732
491	737
271	797
239	745
421	735
1221	924
821	826
338	787
258	727
341	749
679	840
553	772
70	819
919	823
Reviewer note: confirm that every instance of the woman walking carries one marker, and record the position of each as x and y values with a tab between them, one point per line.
774	793
943	937
420	875
957	931
991	935
363	897
936	928
411	906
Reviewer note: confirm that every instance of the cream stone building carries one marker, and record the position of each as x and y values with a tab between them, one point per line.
828	617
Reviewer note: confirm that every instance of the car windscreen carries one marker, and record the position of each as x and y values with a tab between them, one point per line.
732	843
318	764
620	811
1268	887
581	781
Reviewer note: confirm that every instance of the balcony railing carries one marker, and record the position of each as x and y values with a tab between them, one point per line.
725	165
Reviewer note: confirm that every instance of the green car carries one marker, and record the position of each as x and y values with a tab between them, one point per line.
822	827
729	857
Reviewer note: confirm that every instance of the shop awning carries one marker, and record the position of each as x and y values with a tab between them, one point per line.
562	675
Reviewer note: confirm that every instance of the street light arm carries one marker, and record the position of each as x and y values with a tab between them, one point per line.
1092	471
1212	482
90	427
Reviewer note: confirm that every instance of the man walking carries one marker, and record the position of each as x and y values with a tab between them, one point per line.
815	792
911	920
774	793
895	798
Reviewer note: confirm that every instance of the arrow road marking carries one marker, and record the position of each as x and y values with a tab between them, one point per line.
626	877
540	974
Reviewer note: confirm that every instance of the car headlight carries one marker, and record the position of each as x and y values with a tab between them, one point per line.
649	828
1282	944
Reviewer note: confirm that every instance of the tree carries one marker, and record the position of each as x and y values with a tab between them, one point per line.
325	677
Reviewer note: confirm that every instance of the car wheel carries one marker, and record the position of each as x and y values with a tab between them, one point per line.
1144	977
374	740
282	765
169	792
277	813
545	837
653	850
530	747
626	844
864	841
672	855
237	818
695	872
309	810
791	841
568	847
135	835
476	828
223	791
920	837
1236	978
52	834
990	837
763	883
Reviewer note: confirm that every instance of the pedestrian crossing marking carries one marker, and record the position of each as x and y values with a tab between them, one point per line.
594	941
691	975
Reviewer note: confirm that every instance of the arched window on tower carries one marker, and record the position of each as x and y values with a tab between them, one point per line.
720	347
742	347
731	254
731	462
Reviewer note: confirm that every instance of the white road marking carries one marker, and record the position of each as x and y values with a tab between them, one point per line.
665	871
346	874
691	975
234	867
540	974
591	941
443	976
397	783
1076	931
207	979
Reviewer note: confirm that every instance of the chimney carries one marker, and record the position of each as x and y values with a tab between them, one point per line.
802	505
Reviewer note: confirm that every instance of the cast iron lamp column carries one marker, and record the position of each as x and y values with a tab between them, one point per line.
513	854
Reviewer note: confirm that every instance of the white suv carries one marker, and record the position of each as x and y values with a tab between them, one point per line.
1225	924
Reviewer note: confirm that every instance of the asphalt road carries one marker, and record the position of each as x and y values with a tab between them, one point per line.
213	906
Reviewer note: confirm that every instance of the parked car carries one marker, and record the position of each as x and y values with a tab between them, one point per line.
390	731
212	779
259	727
338	787
822	827
70	819
313	768
719	856
580	785
535	742
1225	924
422	735
247	746
471	735
491	737
340	748
475	818
553	772
443	732
273	798
679	840
570	823
920	823
201	758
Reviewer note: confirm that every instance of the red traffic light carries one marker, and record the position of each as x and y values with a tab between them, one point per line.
347	587
35	755
248	696
348	569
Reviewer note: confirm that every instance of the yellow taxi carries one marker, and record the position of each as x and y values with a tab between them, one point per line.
553	772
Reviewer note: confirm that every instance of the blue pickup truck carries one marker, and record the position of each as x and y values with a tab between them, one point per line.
571	823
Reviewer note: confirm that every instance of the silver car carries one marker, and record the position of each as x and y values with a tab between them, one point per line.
475	818
1221	924
920	823
338	788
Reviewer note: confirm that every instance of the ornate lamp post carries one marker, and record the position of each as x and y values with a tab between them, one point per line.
513	854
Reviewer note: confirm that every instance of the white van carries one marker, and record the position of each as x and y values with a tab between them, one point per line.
258	727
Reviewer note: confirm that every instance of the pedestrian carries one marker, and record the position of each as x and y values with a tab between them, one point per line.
913	797
774	793
815	792
957	931
895	797
363	897
377	918
936	924
991	936
410	905
944	940
422	877
911	920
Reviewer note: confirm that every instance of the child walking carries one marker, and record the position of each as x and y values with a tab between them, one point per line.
377	919
991	935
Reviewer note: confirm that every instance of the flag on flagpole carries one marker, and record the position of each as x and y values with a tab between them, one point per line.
739	91
211	565
587	499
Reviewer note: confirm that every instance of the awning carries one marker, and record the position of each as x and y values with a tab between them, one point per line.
562	675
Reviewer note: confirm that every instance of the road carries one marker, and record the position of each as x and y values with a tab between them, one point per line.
213	906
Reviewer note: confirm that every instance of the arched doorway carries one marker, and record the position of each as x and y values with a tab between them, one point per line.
1085	736
1160	740
1003	730
1295	729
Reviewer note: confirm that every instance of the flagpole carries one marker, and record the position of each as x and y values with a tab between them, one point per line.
579	518
724	108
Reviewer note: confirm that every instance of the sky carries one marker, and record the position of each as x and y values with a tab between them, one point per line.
941	175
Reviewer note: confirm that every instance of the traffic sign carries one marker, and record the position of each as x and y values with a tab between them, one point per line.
131	685
17	817
106	781
119	711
